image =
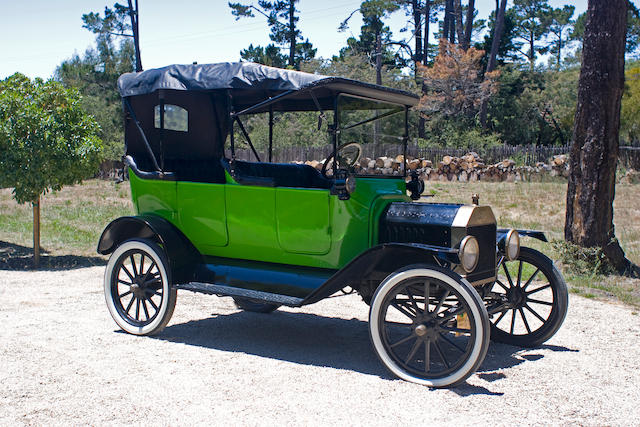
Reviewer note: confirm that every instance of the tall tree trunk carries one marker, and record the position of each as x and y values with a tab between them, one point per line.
468	25
532	52
427	16
452	22
418	54
376	124
559	49
495	46
594	150
417	25
459	23
292	34
133	15
449	24
36	232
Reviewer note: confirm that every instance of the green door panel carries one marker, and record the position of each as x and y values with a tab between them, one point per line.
202	213
153	196
251	221
302	220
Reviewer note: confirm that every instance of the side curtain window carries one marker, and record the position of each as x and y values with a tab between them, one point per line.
175	118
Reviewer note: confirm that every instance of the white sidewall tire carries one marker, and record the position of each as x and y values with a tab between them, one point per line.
169	293
464	288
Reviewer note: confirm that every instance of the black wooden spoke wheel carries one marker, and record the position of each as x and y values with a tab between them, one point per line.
429	326
535	300
137	289
255	307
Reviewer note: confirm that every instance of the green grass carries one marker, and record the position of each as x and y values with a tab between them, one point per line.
72	220
541	206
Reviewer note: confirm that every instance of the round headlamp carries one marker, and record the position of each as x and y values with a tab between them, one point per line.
469	253
512	245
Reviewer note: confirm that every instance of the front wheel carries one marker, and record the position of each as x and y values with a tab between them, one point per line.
536	300
429	326
137	289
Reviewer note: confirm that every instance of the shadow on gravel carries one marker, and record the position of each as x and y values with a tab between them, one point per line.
20	258
321	341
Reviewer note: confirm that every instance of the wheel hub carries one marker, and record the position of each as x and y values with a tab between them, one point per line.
427	329
138	291
516	297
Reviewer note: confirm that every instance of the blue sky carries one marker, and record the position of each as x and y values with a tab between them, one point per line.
36	35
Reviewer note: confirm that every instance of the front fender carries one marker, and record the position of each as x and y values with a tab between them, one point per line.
377	263
501	232
180	252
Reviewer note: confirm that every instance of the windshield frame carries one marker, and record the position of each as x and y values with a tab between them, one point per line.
337	130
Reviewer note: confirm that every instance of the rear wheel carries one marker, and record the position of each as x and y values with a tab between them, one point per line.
137	289
536	300
255	307
429	326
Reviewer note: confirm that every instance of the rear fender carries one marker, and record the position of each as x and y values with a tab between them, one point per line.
365	271
182	255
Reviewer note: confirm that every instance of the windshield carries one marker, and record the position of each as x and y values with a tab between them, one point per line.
377	130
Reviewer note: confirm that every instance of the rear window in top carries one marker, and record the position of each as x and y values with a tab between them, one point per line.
175	118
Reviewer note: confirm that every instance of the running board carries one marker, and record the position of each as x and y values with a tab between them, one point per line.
228	291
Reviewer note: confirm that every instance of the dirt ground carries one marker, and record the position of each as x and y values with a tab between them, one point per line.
63	361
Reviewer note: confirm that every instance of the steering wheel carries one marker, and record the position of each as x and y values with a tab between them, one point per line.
349	153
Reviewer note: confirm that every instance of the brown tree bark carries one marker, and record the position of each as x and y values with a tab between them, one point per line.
417	25
133	15
292	34
594	150
468	25
427	16
495	46
418	15
459	23
449	24
36	232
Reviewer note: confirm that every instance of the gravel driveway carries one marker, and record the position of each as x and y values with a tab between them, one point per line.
63	361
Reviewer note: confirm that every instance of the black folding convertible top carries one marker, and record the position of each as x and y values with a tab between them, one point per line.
214	97
251	83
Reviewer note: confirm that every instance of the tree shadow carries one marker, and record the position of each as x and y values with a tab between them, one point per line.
20	258
316	340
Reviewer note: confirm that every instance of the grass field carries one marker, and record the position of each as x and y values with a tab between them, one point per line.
72	220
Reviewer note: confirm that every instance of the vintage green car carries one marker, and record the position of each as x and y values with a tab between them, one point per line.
440	279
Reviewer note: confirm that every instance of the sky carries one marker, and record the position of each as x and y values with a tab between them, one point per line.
37	35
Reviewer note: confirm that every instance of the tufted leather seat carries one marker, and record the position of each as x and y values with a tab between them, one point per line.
278	174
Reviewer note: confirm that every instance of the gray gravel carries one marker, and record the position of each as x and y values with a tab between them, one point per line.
63	361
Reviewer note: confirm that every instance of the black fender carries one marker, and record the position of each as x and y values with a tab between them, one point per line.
183	257
501	232
366	270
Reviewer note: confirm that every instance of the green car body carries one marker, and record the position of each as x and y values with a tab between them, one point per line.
296	226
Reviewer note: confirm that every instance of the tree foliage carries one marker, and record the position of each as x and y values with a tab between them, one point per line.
117	23
47	140
283	24
374	13
454	85
94	75
629	123
532	25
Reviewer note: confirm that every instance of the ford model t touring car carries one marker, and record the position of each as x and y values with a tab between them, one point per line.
440	279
